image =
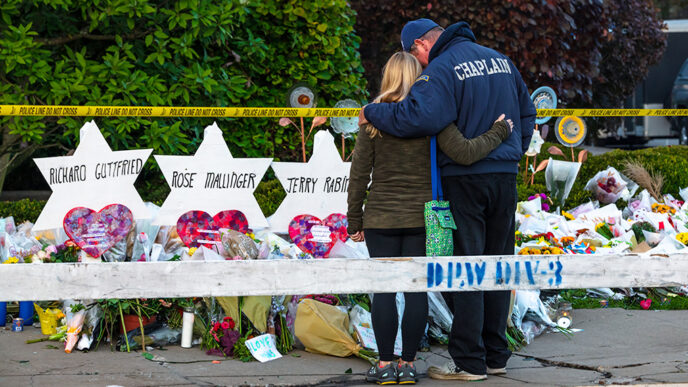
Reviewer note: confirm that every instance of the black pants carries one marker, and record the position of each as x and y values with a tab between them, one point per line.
400	242
483	207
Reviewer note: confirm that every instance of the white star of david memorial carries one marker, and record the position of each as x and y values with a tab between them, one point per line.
212	181
318	187
94	177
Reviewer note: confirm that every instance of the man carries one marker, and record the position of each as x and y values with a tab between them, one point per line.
469	85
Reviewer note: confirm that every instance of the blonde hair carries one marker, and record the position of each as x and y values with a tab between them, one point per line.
398	75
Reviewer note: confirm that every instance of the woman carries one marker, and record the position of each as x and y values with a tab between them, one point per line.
392	223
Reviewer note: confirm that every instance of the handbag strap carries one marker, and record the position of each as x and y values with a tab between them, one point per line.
435	171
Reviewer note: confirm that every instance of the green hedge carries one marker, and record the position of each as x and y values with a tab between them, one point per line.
172	53
671	162
22	210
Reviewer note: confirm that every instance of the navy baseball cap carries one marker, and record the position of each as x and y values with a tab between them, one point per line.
414	30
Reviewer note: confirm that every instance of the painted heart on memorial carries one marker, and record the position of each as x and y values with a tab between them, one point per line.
315	236
195	226
96	232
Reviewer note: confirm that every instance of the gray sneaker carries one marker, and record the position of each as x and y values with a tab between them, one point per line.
384	375
496	371
449	371
406	374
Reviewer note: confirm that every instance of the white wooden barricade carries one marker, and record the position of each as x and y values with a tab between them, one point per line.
23	282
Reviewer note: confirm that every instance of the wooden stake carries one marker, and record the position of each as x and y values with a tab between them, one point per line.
303	141
573	158
343	148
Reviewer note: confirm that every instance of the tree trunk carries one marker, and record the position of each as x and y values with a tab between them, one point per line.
4	168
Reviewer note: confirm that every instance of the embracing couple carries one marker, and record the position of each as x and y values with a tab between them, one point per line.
475	102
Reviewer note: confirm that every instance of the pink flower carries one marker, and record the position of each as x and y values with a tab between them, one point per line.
51	249
225	325
646	303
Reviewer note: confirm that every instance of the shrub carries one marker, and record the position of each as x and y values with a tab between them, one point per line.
22	210
173	53
270	195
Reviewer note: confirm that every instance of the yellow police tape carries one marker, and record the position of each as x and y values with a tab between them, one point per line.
221	112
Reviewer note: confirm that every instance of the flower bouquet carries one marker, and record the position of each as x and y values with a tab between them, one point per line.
224	337
324	329
559	177
67	252
607	186
544	199
277	325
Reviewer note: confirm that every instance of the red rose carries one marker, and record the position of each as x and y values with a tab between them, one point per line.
225	325
231	324
216	326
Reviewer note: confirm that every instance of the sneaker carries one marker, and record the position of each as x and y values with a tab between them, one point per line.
449	371
496	371
384	375
406	374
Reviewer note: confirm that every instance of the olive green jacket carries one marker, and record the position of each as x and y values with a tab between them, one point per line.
401	174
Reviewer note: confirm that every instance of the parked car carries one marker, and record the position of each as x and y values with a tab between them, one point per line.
679	100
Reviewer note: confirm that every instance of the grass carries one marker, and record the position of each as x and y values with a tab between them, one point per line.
578	300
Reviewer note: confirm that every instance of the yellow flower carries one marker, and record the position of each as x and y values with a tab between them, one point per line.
663	209
683	238
524	251
11	260
192	250
567	215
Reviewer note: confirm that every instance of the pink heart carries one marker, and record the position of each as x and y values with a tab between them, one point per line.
645	304
315	236
96	232
195	226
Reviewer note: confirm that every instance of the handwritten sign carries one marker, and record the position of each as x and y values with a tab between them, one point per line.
94	176
263	348
212	181
367	336
318	187
460	275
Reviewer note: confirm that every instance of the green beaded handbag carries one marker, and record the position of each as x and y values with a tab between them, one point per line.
439	222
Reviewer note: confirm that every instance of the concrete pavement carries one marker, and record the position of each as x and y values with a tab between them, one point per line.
616	347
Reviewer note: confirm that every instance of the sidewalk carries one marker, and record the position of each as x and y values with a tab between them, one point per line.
616	347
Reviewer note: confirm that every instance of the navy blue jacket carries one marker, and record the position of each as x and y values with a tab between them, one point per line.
471	86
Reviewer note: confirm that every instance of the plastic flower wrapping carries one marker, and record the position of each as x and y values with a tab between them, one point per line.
610	185
223	324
